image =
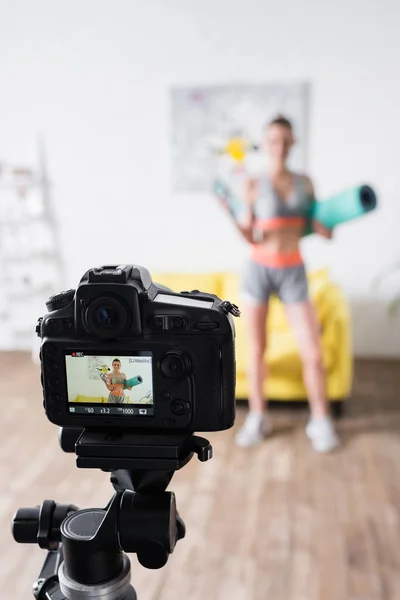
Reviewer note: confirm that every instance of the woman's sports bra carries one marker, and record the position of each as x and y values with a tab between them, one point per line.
271	212
119	379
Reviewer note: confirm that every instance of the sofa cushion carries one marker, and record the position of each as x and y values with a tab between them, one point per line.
282	355
89	399
230	288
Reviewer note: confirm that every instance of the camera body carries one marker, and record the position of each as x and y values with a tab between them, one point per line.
121	351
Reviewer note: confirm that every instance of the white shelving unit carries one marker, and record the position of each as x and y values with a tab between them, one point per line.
31	266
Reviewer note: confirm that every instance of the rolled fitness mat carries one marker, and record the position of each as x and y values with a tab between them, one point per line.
132	381
346	206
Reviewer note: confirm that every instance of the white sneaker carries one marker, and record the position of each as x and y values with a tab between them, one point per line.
322	434
256	427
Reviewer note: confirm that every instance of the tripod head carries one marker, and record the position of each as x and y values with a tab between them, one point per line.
86	548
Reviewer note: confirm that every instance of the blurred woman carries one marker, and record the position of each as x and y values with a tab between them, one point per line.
278	203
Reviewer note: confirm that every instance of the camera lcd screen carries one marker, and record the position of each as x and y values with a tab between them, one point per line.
110	385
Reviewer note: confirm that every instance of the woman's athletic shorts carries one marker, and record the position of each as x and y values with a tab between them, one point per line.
259	282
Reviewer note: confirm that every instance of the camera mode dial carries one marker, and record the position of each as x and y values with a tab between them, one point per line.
175	364
60	300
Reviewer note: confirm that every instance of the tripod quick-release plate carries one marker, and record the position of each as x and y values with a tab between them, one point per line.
127	449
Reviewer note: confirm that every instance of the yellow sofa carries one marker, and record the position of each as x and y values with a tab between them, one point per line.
285	373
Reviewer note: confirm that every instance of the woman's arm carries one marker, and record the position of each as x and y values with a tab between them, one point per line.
246	224
126	387
316	225
109	385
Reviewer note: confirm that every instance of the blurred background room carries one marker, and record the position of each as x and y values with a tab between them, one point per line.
116	118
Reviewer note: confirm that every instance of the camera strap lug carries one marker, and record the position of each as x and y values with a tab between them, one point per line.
202	448
229	307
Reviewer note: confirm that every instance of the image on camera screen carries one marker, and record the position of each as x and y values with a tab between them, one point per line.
113	385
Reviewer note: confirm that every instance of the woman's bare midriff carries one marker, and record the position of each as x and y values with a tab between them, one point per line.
281	241
118	389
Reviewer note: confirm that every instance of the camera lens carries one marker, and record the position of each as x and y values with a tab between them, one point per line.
106	317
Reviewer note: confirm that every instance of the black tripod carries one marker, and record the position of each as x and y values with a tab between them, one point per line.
86	548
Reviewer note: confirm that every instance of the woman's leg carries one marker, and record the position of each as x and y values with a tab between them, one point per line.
256	425
304	323
303	320
255	293
256	320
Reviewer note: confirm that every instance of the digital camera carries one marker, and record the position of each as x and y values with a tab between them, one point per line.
122	351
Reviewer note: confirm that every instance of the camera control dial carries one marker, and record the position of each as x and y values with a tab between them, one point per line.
175	364
60	300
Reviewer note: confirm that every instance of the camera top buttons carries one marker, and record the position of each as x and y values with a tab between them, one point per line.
177	322
206	325
158	322
168	322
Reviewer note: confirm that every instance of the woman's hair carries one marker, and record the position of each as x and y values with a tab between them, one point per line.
116	360
280	120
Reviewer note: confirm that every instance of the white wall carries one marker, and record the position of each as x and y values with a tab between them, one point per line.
94	77
78	381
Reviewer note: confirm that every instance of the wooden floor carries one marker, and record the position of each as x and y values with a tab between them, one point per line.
276	523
